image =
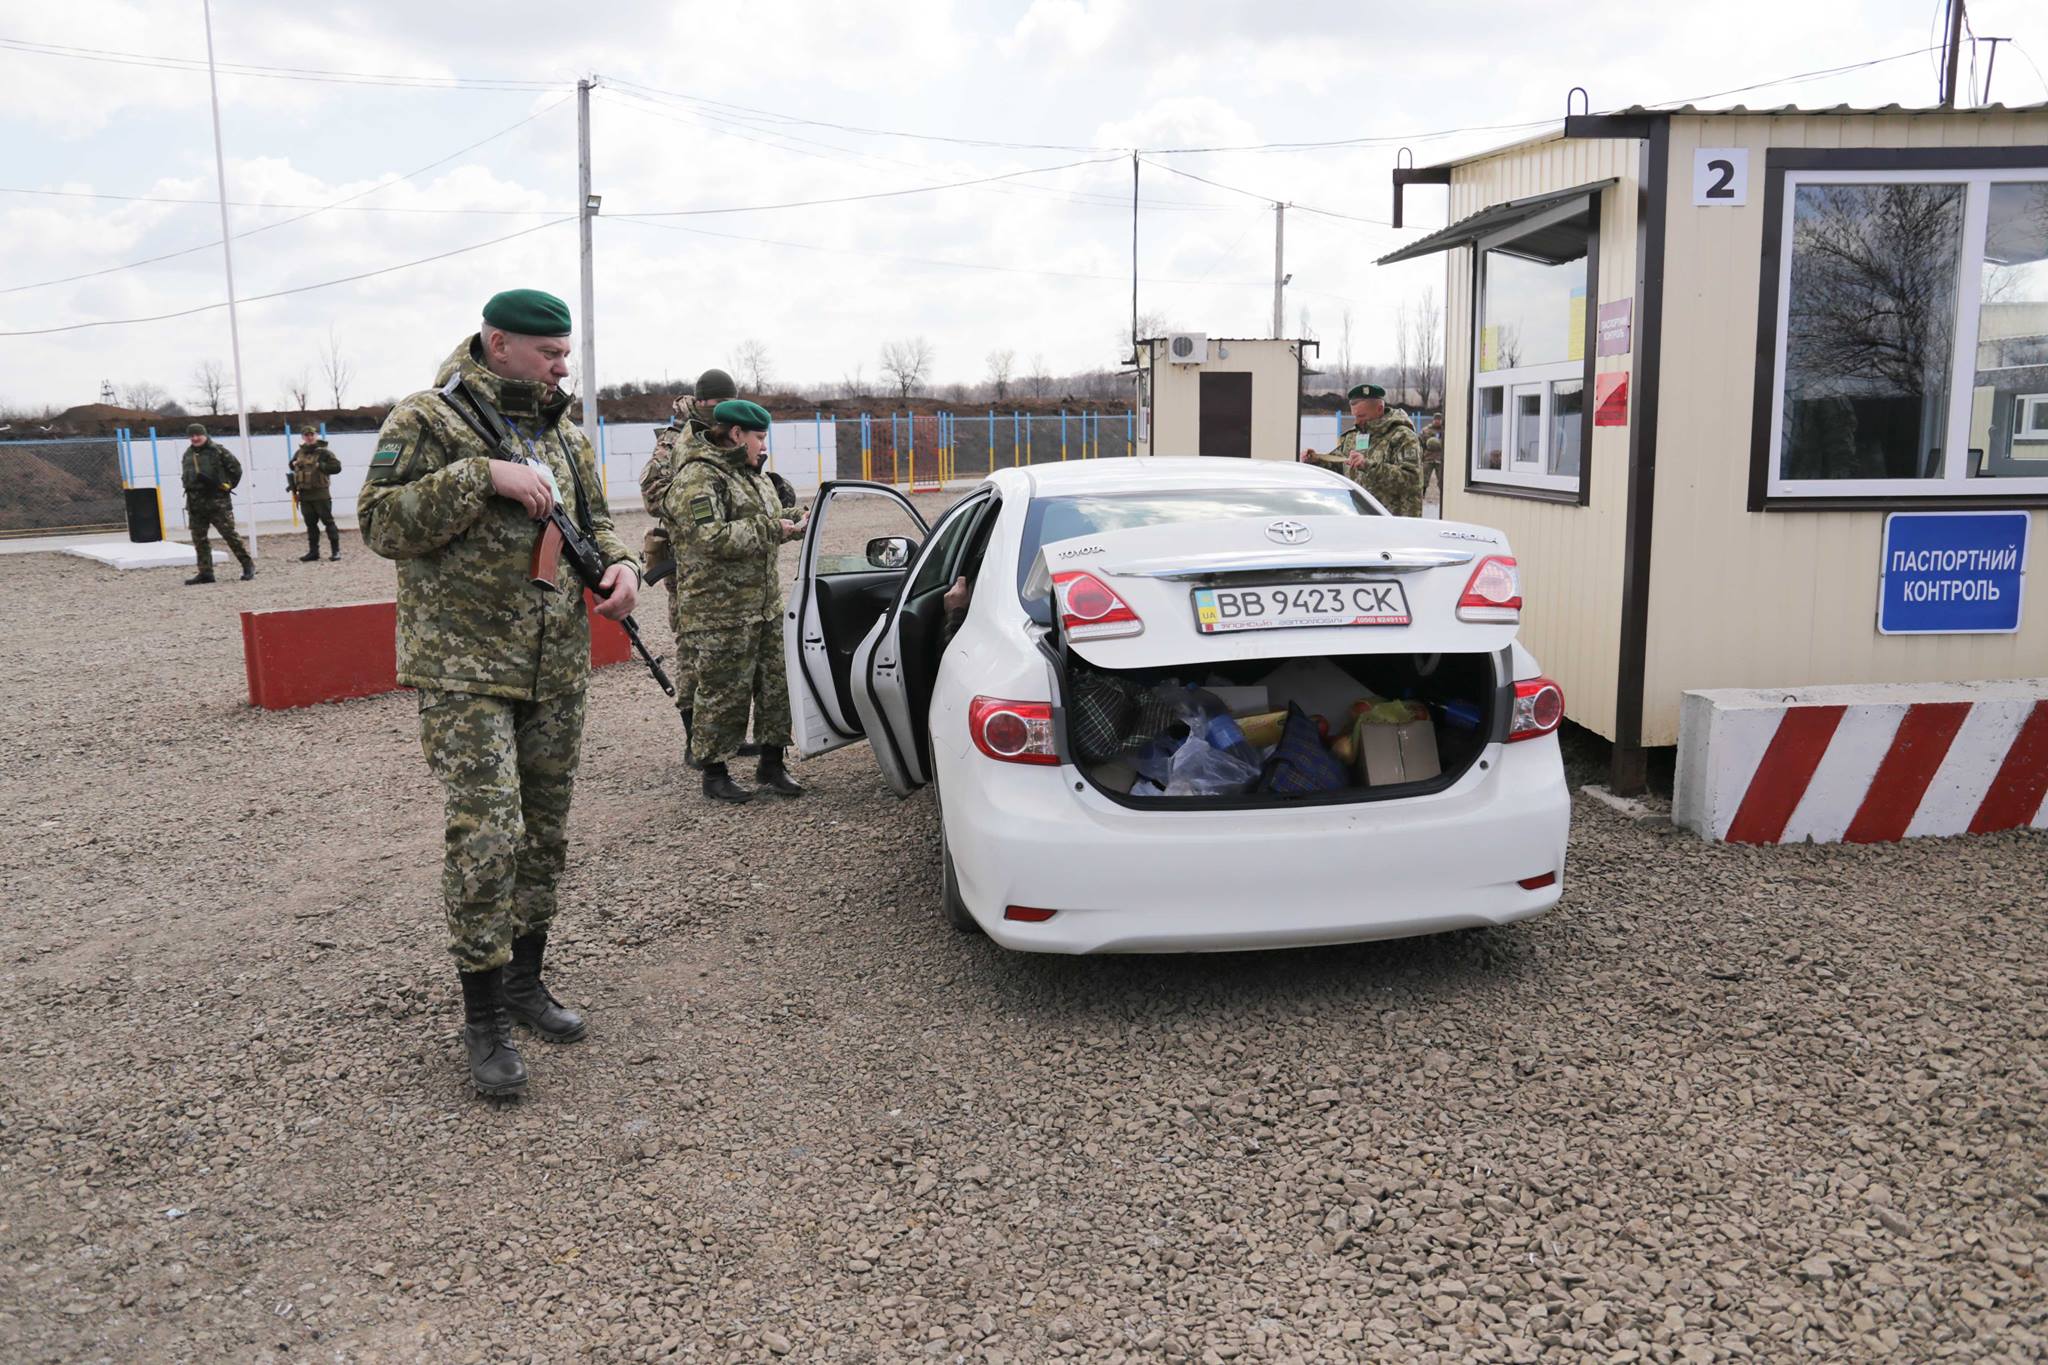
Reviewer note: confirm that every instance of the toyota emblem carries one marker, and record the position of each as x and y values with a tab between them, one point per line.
1288	532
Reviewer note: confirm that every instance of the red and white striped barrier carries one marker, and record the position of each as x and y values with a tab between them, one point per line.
1863	764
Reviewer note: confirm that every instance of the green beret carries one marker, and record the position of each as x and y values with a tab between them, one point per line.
195	430
1366	391
716	385
742	414
528	312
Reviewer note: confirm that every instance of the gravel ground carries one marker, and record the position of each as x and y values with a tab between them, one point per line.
1722	1104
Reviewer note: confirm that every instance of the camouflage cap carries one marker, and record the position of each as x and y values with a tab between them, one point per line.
717	386
681	406
196	429
1359	391
529	312
740	413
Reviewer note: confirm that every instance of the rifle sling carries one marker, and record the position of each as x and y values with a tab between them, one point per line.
480	417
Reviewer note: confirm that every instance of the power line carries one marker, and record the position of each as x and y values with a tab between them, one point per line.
856	198
296	289
282	73
1270	199
258	204
347	201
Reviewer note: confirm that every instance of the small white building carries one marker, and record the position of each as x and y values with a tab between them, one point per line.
1230	396
1710	368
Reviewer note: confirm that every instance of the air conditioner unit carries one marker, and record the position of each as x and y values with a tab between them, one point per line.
1187	348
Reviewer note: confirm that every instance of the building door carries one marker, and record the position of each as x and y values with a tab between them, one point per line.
1227	415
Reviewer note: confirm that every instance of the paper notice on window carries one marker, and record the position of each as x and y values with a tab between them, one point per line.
1575	334
1489	348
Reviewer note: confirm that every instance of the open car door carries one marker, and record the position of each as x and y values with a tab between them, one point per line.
857	552
897	666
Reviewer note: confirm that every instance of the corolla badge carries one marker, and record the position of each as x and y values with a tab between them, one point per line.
1288	532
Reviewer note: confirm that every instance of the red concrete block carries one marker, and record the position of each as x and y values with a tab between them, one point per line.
319	654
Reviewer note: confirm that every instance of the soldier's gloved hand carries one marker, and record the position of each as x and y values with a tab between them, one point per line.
525	485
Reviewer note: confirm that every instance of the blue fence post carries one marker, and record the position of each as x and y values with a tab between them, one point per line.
155	470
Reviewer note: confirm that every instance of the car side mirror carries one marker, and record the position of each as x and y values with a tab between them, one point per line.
891	552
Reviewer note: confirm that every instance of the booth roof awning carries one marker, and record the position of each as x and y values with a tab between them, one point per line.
1491	220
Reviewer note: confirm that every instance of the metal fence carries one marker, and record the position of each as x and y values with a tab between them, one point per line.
929	449
61	485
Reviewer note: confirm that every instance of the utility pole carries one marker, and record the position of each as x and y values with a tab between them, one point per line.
1280	279
227	247
1955	53
1991	65
587	206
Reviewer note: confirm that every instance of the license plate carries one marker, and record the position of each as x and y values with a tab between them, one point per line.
1294	606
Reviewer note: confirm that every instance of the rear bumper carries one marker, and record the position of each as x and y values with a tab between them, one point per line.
1164	881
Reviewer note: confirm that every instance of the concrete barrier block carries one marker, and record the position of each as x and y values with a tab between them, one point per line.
1863	764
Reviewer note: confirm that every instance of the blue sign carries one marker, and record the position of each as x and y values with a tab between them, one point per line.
1952	573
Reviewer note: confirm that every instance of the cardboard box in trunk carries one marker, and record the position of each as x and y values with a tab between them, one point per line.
1388	754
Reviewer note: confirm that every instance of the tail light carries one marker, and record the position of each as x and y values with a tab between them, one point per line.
1013	731
1539	709
1028	914
1493	593
1091	610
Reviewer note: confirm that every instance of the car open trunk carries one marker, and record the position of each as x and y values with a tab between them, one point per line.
1222	635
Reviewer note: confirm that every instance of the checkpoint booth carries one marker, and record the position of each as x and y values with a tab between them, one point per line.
1760	398
1228	396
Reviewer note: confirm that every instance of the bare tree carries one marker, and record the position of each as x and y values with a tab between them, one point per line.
1038	381
144	396
1404	351
1001	365
907	363
750	363
1344	380
1149	324
298	389
210	382
854	384
1427	349
338	368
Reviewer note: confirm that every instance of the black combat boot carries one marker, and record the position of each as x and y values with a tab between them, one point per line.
719	786
773	776
689	732
312	546
751	750
203	576
531	1003
248	569
333	543
495	1067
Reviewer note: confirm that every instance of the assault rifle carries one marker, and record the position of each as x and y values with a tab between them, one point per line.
559	540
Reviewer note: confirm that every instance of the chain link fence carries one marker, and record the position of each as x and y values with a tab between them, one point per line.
54	486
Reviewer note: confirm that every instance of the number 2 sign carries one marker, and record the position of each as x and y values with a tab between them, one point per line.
1720	177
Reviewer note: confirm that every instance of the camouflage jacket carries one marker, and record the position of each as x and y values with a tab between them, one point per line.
469	620
210	472
312	466
726	523
1392	471
654	481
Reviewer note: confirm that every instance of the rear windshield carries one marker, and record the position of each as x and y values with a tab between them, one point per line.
1053	519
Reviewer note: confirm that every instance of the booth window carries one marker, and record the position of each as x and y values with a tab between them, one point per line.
1911	334
1529	365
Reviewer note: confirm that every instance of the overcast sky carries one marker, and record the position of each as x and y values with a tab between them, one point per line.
772	101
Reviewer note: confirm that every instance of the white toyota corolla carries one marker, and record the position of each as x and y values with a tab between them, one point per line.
1269	586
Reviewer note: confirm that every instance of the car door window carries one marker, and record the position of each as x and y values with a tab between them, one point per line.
943	552
850	521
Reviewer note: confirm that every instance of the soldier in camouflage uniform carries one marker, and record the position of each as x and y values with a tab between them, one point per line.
727	524
313	464
1379	452
656	552
210	474
502	666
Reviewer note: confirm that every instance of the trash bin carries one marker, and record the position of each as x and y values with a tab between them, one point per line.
145	515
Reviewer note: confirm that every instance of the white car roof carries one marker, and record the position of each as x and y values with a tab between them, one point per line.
1141	473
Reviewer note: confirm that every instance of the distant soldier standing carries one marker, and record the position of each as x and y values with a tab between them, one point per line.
656	551
1379	452
461	474
313	464
211	473
727	524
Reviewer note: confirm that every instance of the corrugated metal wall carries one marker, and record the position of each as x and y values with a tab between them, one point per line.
1776	599
1570	556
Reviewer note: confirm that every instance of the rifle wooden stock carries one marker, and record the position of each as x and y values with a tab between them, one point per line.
546	563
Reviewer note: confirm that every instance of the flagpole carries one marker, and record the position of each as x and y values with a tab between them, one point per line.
227	247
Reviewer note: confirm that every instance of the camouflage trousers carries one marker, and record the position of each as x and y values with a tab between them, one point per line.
738	668
508	769
684	674
218	514
318	510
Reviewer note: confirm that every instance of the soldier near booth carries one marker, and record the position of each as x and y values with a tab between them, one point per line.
691	414
1433	461
1379	451
313	464
502	666
726	522
210	475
